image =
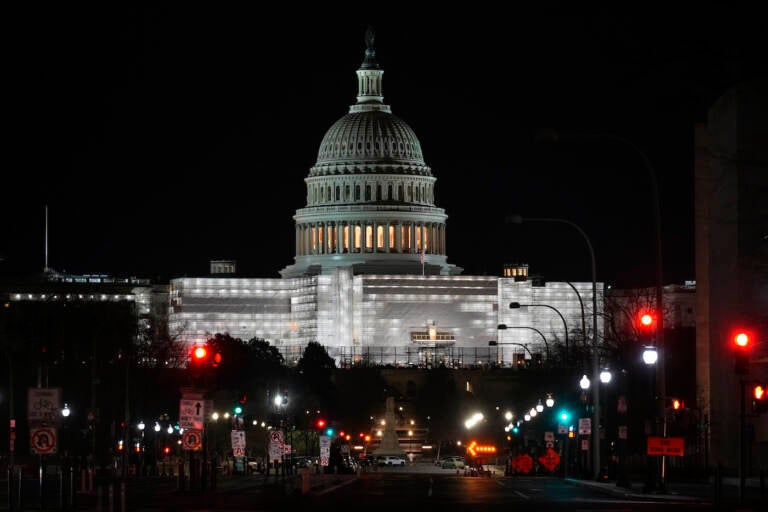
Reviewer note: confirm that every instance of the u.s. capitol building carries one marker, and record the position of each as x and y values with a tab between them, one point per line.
371	280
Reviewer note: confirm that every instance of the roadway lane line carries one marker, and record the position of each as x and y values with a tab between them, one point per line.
522	495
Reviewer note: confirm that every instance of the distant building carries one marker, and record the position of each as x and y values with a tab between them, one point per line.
731	237
371	279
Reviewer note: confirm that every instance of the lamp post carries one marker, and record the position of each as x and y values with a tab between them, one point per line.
650	357
517	219
544	339
517	305
546	345
493	343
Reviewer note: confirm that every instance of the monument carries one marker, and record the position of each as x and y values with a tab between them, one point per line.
390	445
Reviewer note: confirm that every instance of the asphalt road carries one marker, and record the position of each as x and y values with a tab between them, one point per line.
391	489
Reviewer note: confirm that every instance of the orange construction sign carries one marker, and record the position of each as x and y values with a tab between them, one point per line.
522	463
672	446
550	459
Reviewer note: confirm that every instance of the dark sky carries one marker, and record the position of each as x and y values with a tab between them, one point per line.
166	137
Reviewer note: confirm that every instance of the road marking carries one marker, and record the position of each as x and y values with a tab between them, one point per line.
522	495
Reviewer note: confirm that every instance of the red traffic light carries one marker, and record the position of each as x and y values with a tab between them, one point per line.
200	353
677	404
646	320
741	339
166	450
320	423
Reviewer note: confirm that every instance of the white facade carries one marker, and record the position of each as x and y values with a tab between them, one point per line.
386	319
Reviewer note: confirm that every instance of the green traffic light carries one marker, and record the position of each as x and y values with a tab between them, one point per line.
329	432
238	409
564	416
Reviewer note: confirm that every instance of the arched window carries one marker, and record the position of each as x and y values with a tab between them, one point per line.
357	192
389	192
400	192
418	195
378	192
357	238
380	238
346	192
391	238
367	192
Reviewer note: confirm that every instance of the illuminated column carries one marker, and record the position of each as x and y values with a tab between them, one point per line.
386	236
398	237
413	237
339	237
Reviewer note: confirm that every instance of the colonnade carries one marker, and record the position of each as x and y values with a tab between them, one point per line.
369	236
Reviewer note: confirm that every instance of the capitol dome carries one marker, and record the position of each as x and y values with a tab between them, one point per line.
373	137
370	195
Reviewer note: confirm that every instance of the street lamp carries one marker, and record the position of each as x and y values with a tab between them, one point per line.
493	343
546	345
517	305
517	219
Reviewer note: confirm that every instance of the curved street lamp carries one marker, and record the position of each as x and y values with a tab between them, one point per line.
505	326
517	305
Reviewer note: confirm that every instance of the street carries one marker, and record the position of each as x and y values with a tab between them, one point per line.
416	485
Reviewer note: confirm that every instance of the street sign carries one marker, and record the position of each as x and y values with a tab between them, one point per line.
585	426
523	463
672	446
585	445
192	412
192	440
238	443
562	429
276	436
621	404
44	406
549	436
550	459
43	440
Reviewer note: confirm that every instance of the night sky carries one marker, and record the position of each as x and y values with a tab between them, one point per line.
166	137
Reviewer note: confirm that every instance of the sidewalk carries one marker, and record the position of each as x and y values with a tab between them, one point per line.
688	492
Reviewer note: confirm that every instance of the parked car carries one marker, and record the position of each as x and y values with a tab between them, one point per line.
391	460
453	462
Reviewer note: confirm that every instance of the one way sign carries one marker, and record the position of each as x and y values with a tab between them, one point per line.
192	413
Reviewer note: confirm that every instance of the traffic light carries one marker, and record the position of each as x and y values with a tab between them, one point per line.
675	404
759	398
320	424
237	409
646	324
564	417
741	339
200	354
